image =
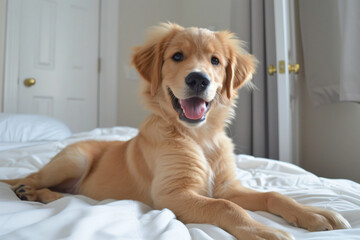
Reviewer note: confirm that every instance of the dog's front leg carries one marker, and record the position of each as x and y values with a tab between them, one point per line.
190	207
308	217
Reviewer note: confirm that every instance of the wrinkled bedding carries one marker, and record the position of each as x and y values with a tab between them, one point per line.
79	217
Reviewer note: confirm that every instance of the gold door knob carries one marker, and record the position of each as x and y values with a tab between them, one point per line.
28	82
294	68
271	69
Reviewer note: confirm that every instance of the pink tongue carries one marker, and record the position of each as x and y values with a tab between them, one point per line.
194	108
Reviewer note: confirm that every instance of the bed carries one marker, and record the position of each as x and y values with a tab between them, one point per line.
79	217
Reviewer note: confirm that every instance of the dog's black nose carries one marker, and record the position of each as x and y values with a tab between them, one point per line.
197	81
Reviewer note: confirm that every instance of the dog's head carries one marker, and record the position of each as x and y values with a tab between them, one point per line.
190	71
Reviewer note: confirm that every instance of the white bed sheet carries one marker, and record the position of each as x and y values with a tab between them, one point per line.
79	217
17	145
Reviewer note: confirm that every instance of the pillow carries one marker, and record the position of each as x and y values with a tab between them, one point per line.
30	128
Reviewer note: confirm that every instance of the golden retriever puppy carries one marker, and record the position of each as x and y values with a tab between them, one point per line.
182	158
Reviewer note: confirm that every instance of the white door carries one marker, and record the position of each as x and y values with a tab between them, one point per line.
59	49
286	80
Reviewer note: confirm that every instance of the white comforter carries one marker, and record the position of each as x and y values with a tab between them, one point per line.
79	217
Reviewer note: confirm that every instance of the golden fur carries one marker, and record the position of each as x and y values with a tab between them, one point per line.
186	165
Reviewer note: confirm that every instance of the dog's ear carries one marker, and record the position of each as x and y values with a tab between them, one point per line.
240	67
148	58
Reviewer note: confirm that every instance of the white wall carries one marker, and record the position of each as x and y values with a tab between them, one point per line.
205	13
330	138
2	49
135	17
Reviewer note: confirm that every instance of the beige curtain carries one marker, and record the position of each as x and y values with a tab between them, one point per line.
255	129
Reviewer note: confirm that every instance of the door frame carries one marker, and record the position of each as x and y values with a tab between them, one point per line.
108	60
288	97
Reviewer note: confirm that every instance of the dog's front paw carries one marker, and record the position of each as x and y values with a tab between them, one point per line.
316	219
25	192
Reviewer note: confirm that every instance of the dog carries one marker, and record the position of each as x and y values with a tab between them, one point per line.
182	158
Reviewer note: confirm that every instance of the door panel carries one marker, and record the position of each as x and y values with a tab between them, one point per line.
43	105
46	35
75	109
59	48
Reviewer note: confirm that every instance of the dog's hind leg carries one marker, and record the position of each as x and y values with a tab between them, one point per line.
28	193
64	172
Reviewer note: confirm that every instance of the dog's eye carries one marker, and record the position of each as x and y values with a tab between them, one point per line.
215	61
178	57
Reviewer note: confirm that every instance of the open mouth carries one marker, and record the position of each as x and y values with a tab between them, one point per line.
191	110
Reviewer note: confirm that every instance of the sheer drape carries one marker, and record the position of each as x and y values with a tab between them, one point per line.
255	129
330	31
